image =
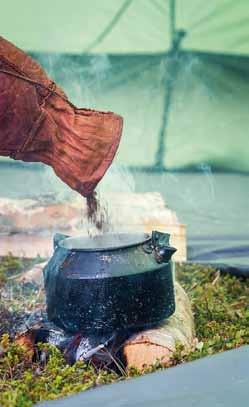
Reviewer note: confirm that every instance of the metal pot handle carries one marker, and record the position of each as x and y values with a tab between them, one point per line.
159	246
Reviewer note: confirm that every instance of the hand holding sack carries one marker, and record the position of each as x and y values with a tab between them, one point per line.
39	123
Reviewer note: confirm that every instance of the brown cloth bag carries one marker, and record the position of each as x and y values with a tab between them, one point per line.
38	123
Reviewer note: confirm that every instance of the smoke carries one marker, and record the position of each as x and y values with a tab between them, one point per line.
117	179
81	77
56	189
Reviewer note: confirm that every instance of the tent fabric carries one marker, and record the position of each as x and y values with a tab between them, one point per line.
185	106
116	55
125	26
208	120
219	381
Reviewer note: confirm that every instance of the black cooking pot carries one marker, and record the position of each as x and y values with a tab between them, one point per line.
109	282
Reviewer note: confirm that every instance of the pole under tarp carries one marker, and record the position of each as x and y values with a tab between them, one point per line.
169	81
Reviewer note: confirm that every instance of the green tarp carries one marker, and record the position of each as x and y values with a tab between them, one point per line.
215	381
184	98
125	26
208	118
115	55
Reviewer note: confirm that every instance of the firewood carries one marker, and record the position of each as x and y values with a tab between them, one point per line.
158	344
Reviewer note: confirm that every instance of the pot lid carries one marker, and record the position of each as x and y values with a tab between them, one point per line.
107	241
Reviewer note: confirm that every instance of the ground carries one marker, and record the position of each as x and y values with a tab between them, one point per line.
221	308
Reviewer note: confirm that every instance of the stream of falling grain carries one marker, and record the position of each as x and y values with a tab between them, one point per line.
97	215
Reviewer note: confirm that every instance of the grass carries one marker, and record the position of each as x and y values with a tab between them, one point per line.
221	308
9	265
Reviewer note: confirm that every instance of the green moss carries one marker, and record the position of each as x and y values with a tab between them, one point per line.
8	266
24	382
221	309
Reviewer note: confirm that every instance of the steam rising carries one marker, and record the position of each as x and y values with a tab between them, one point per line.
134	87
